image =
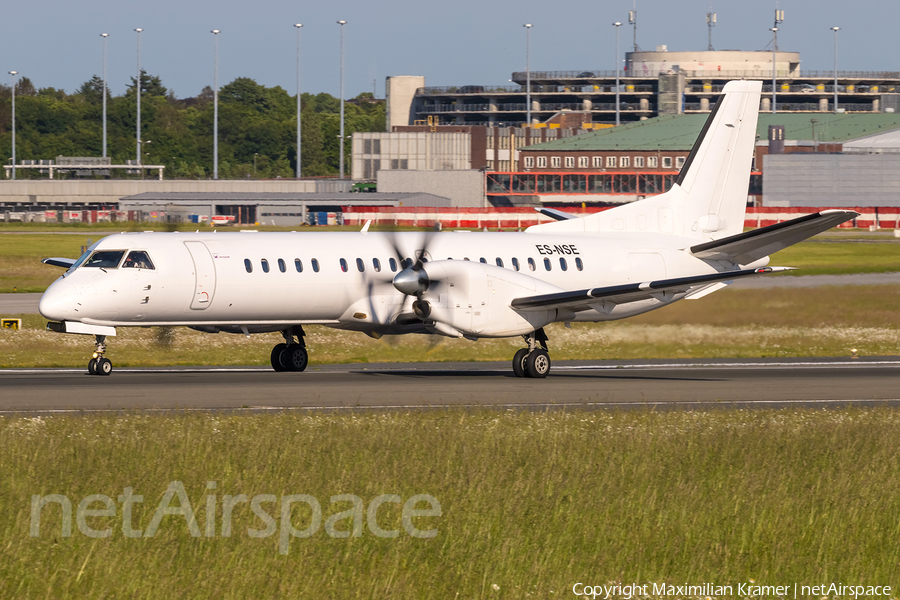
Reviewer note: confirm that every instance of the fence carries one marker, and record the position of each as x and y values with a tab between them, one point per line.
513	218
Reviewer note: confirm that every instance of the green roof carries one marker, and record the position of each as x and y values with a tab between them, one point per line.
678	132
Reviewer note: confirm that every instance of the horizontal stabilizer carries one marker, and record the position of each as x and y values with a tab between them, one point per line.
65	263
745	248
632	292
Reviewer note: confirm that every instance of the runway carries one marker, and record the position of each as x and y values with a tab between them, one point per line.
576	384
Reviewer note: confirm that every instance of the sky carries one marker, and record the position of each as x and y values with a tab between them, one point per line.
462	42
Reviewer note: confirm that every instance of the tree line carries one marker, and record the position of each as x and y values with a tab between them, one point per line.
257	127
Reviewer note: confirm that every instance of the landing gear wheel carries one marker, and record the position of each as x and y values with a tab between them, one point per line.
537	364
92	366
278	358
519	362
296	358
104	366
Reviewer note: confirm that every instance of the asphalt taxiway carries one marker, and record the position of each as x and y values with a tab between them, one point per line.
663	384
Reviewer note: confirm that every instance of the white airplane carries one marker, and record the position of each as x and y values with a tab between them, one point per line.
683	244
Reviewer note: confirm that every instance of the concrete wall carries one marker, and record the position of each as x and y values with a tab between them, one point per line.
399	92
376	151
44	191
831	180
463	188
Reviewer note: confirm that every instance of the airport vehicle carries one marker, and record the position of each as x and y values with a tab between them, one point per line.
683	244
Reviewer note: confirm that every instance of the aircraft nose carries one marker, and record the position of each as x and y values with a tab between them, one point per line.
58	302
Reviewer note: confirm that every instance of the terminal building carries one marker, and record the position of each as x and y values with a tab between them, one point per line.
652	84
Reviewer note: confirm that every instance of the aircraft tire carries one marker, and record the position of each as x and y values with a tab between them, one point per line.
537	364
104	366
278	358
92	366
296	358
518	362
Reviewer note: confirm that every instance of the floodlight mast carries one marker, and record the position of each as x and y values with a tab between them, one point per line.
527	27
14	73
617	24
137	91
104	36
835	30
779	18
298	26
342	23
216	33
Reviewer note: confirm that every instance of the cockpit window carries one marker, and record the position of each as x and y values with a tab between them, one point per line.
137	259
106	259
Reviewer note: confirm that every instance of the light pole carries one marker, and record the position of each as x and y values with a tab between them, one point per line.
14	73
774	31
215	33
342	23
298	26
104	36
137	90
617	24
835	30
527	27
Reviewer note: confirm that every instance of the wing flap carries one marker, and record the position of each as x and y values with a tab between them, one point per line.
632	292
745	248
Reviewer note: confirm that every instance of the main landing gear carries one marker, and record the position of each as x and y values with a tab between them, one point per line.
291	355
533	361
99	364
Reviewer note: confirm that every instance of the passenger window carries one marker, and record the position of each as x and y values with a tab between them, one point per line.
405	263
265	265
281	266
248	265
465	258
360	265
482	260
393	264
562	264
499	262
106	259
515	263
531	264
376	264
579	265
137	259
315	264
298	264
547	264
344	265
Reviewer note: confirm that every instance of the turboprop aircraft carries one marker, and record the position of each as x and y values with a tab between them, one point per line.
683	244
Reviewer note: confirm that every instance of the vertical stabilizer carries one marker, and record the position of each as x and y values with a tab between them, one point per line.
709	198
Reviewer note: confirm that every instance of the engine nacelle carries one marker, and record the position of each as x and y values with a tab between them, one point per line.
474	299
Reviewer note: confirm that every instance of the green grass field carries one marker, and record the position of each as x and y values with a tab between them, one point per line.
825	321
531	503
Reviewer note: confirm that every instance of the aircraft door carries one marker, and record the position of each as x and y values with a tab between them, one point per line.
204	274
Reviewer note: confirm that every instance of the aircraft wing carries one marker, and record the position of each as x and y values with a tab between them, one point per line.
59	262
745	248
632	292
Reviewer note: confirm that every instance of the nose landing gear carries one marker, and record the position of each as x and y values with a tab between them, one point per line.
532	361
291	355
99	364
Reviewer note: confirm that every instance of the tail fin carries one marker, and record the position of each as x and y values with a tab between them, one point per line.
709	198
